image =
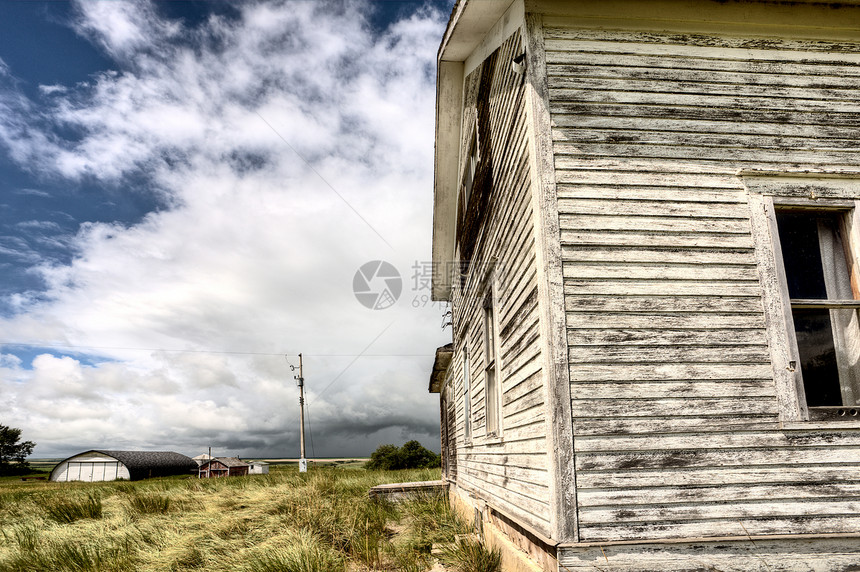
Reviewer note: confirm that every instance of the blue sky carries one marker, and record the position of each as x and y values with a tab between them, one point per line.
186	192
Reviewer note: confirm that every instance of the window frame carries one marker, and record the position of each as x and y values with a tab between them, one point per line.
492	366
842	331
768	192
469	169
467	394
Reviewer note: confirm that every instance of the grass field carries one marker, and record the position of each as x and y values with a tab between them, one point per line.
322	520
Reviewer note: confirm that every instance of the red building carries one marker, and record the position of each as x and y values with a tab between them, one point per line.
223	467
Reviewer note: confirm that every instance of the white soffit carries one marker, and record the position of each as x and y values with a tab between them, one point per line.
469	27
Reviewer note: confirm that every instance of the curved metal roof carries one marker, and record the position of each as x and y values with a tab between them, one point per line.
146	464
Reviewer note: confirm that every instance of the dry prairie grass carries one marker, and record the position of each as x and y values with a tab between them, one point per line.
284	521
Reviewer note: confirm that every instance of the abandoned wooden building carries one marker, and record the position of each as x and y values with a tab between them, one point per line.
98	465
222	467
645	220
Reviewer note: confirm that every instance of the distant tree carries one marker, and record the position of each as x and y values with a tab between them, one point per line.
415	456
385	458
13	455
412	455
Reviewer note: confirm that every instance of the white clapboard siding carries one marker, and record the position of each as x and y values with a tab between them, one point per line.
743	553
676	431
510	473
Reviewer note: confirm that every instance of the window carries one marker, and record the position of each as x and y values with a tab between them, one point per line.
470	168
818	261
491	377
467	397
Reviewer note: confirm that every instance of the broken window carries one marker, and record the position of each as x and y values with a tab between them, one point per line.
818	260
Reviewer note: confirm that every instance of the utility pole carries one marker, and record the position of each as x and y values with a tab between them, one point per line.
303	462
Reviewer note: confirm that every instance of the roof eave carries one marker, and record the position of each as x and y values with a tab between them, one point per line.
444	355
469	24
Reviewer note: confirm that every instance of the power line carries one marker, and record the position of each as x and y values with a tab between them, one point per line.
311	431
349	365
323	179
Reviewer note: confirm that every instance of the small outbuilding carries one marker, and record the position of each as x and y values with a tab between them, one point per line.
97	465
258	468
223	467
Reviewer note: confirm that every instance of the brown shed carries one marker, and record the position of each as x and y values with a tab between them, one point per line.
223	467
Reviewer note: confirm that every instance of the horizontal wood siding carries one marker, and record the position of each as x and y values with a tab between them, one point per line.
673	401
510	473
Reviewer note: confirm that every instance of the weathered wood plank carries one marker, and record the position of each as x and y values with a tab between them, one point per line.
664	238
696	307
730	77
618	54
726	440
631	172
583	406
655	390
733	102
682	335
658	287
525	475
525	416
527	510
632	318
716	493
610	270
722	511
741	156
516	387
622	123
656	255
664	208
500	457
654	223
649	193
512	485
743	553
773	92
786	457
685	424
821	119
636	354
801	49
717	476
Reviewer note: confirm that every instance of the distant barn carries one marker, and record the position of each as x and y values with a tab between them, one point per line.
92	466
223	467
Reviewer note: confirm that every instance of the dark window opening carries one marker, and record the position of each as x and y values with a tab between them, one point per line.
818	263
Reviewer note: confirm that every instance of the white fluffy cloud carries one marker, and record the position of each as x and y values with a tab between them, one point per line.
252	252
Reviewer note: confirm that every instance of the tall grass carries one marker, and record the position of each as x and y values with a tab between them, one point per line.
304	553
321	520
70	556
468	554
148	503
65	510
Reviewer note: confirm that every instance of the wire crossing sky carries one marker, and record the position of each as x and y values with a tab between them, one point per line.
187	190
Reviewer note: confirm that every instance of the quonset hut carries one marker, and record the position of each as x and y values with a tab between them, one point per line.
92	466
